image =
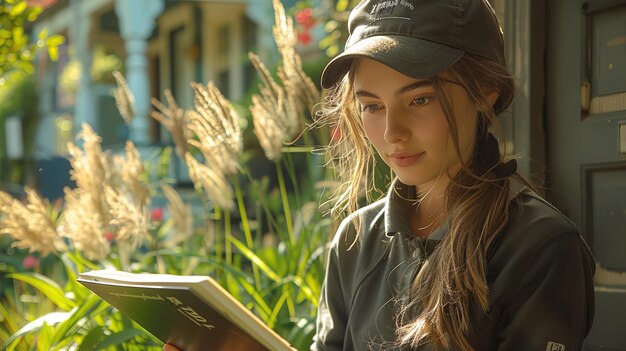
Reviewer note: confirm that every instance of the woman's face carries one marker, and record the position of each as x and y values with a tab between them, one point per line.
405	122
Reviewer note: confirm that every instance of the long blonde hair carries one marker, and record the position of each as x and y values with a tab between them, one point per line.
453	278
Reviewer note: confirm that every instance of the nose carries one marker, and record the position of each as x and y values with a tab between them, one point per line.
396	127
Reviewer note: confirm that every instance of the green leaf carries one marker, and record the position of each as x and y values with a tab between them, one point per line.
255	260
271	320
55	40
34	13
5	33
302	331
11	260
262	307
94	336
53	52
18	34
311	296
118	338
34	326
45	337
84	311
18	9
43	34
47	286
342	5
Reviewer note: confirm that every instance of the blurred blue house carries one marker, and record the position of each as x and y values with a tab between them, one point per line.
158	45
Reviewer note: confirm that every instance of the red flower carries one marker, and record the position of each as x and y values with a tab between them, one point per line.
156	214
109	236
30	262
304	38
305	18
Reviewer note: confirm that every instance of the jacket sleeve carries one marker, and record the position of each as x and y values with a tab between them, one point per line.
552	308
332	314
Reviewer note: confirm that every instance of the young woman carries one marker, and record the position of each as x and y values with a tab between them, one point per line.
461	254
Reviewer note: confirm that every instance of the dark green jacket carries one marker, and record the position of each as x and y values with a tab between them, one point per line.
541	294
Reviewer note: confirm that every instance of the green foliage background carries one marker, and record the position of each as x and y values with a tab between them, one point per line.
18	92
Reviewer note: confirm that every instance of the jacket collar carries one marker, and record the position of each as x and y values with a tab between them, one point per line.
401	199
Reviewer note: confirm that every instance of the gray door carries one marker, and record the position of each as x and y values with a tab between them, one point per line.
586	144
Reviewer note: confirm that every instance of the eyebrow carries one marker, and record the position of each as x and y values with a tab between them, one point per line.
404	89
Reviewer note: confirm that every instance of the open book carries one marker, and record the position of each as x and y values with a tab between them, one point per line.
192	313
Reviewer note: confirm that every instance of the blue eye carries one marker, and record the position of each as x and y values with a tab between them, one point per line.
371	108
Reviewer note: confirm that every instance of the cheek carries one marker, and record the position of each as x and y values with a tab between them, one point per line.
467	124
374	129
437	134
467	132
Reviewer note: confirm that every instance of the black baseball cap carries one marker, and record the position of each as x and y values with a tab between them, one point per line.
418	38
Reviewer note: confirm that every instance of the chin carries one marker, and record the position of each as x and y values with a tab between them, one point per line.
414	181
422	182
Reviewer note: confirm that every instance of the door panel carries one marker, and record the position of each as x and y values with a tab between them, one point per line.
608	327
586	169
604	205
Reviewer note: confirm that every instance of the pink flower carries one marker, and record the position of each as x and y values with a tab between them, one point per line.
156	214
109	236
30	262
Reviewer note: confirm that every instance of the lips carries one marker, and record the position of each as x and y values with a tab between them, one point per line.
406	159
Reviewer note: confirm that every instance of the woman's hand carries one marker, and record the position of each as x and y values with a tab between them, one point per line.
168	347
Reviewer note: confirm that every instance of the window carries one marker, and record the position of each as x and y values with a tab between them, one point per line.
604	86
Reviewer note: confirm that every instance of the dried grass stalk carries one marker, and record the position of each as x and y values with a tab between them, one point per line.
124	98
83	226
212	181
30	224
278	112
181	217
274	114
174	118
92	170
91	210
130	218
298	85
216	126
131	172
6	201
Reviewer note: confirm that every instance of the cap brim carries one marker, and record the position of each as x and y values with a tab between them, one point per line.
410	56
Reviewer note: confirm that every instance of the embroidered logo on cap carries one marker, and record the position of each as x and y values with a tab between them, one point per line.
386	8
554	346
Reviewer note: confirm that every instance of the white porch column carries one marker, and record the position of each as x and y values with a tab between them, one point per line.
84	108
137	19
